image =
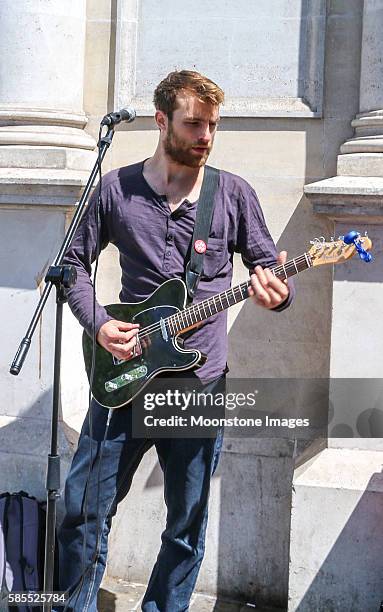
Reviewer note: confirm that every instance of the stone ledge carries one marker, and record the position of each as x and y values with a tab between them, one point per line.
42	176
31	188
353	470
43	135
238	108
347	185
342	198
14	115
28	188
29	157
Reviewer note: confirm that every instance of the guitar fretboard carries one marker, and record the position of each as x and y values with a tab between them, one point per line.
194	314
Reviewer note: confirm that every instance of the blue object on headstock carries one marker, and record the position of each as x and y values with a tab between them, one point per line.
353	238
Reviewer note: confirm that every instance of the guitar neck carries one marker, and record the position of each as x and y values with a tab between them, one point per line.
193	315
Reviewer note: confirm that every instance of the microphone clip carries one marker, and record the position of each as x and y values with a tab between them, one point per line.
125	114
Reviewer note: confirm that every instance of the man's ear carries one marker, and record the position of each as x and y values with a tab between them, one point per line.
161	120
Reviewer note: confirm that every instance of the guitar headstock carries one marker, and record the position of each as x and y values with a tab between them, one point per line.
338	251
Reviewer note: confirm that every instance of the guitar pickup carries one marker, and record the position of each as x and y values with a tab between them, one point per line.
164	332
124	379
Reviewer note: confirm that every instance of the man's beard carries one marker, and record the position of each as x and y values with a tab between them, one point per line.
180	152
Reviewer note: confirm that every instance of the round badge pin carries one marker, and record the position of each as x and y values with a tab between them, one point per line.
200	246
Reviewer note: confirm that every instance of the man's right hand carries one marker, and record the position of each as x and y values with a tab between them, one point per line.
119	338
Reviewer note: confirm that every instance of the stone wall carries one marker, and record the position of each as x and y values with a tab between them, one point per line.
279	140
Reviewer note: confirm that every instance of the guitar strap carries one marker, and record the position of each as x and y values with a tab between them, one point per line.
201	229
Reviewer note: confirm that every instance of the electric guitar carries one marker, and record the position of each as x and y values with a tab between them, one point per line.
163	317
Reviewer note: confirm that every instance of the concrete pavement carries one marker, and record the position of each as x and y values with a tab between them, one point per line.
121	596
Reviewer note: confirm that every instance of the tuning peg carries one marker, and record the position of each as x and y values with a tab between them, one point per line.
353	237
364	256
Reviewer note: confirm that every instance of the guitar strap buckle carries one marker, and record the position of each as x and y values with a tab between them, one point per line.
192	280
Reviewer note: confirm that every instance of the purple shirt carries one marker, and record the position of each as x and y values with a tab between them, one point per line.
153	243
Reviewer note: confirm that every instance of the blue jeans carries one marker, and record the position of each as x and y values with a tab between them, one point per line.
187	465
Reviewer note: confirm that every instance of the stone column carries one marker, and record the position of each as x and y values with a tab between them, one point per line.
356	193
363	154
337	494
42	46
45	157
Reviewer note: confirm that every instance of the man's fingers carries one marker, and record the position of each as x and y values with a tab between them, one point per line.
282	257
119	330
275	297
260	274
275	283
123	350
259	292
266	289
118	336
125	325
124	344
281	260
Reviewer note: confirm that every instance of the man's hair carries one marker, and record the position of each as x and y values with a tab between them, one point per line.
188	81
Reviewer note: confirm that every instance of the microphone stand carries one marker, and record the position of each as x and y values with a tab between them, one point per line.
62	277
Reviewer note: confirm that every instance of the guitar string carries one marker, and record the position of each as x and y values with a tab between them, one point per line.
177	318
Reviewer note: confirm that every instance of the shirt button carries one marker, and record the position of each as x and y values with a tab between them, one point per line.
169	238
167	254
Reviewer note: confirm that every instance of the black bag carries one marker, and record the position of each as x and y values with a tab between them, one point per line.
22	546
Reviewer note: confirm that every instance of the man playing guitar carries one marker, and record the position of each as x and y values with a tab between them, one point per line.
148	211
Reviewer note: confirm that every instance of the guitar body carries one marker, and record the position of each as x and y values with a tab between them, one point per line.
116	383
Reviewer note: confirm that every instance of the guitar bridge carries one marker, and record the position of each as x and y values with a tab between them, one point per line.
125	379
117	361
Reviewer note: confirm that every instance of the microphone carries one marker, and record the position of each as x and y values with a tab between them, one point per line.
125	114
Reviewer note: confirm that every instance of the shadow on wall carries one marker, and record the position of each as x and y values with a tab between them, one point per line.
256	477
25	268
296	341
355	560
24	447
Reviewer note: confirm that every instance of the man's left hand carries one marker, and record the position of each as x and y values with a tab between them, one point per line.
266	289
